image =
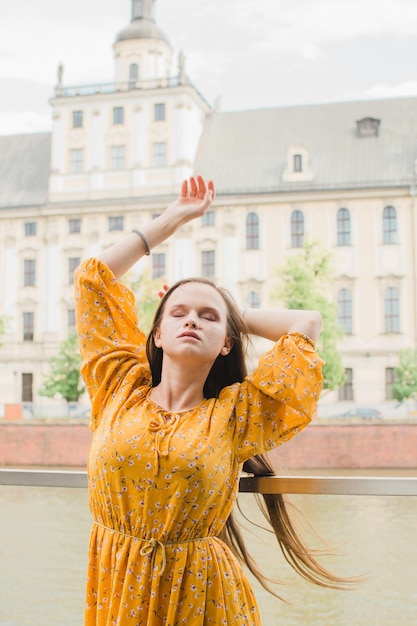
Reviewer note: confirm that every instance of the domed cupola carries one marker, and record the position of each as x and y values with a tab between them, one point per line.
142	52
142	25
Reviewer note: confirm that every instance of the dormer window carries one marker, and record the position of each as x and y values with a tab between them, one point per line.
298	165
297	162
368	127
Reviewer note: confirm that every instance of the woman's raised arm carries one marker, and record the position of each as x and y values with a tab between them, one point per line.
272	325
194	200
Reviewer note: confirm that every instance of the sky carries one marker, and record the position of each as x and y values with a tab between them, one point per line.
246	54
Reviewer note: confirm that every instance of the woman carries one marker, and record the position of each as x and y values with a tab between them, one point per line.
173	421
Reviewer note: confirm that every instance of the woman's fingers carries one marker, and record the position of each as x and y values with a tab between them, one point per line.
184	189
163	290
193	187
196	188
202	187
211	189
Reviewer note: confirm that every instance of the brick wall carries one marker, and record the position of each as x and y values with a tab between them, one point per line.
37	443
318	446
351	446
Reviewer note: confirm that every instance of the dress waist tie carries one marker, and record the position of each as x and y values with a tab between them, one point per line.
152	545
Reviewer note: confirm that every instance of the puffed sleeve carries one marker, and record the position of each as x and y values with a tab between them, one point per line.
279	398
111	344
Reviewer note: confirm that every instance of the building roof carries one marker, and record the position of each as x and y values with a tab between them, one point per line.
24	169
247	151
141	29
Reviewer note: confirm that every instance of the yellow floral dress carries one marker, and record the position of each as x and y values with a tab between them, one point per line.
162	485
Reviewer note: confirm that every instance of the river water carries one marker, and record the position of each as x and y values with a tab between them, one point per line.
44	537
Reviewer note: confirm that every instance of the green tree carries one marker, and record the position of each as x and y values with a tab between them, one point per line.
2	326
303	282
147	299
405	385
64	378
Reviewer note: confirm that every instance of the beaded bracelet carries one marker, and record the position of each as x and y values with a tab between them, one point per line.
145	241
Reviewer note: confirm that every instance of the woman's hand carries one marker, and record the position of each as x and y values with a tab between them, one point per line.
194	200
163	290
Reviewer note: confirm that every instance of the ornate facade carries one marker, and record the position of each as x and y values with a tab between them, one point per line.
343	174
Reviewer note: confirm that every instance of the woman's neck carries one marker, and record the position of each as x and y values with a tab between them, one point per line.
175	400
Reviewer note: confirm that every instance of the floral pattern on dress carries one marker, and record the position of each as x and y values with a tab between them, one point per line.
162	484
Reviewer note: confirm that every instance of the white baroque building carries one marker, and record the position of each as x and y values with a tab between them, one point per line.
342	173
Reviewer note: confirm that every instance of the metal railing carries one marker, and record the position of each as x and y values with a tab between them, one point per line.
324	485
106	88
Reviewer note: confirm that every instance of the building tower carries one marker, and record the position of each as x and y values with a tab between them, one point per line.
134	137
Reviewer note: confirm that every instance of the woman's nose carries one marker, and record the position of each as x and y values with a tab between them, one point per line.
191	323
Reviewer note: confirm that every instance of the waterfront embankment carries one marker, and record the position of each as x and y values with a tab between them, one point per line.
327	445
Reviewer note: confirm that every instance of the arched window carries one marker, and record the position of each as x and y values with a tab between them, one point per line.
344	306
252	231
133	73
389	225
392	310
343	227
297	229
253	300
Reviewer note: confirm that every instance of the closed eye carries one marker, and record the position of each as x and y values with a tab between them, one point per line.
210	316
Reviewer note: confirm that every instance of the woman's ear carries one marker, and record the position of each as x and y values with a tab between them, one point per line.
228	345
157	337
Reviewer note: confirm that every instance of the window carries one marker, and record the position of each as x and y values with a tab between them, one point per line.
390	379
297	229
158	265
116	223
297	160
253	300
159	112
117	157
392	310
73	263
77	119
28	324
74	226
208	219
389	220
133	74
252	231
346	390
137	9
344	305
343	227
71	319
30	229
159	154
207	263
118	115
368	127
29	274
77	160
27	387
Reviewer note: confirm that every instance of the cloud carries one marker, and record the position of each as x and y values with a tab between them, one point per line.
23	55
13	122
297	28
385	90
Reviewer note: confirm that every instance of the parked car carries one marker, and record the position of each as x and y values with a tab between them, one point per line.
362	411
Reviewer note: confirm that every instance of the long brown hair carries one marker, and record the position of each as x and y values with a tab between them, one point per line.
225	371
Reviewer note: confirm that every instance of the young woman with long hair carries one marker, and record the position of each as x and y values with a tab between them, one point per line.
175	418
